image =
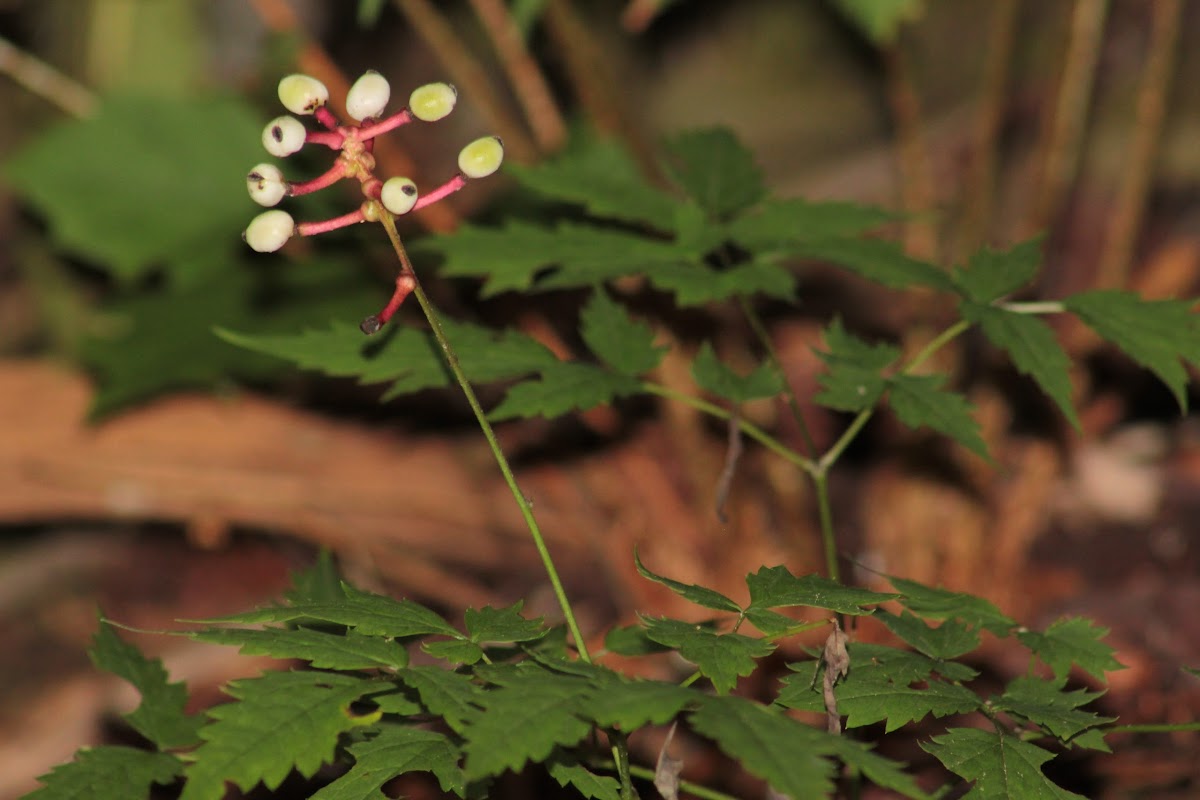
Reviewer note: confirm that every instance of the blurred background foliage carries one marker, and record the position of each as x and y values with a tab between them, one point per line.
130	125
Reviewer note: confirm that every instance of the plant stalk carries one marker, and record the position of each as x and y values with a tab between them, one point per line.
439	334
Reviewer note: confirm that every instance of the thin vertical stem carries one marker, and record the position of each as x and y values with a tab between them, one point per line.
1060	147
451	357
528	82
764	338
1115	261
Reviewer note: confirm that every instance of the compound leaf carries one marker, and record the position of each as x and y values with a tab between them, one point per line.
1050	706
284	721
919	401
108	773
450	695
938	603
949	640
877	260
1000	765
1032	347
713	376
789	755
716	171
565	386
395	750
721	658
160	717
853	378
992	274
780	224
523	720
603	179
1074	640
776	587
569	772
695	283
699	595
629	704
621	342
348	651
1155	333
503	625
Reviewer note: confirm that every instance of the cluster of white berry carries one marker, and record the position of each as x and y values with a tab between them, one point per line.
365	103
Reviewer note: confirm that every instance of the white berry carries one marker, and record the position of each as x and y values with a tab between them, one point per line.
283	136
399	195
302	94
431	102
481	157
269	230
266	185
368	96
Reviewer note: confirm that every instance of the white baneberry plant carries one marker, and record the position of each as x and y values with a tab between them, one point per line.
366	103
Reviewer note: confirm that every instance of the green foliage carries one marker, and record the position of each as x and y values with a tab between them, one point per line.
108	772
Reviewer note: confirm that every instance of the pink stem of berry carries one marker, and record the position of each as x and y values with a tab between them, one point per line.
332	176
442	192
325	226
385	125
331	139
326	117
405	283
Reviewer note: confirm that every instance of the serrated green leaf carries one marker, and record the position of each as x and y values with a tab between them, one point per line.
399	700
1000	766
879	770
395	750
631	640
565	386
938	603
108	773
623	343
503	624
781	224
569	772
695	283
1050	706
1155	333
880	20
949	640
160	717
522	257
920	401
699	595
1092	739
284	721
870	693
1032	347
408	357
716	171
348	651
1074	640
853	378
773	624
450	695
456	651
877	260
992	274
713	376
790	756
629	705
319	583
776	587
144	181
722	658
523	720
369	614
603	179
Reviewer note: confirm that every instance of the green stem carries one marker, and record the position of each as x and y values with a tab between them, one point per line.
1154	728
764	339
828	538
435	325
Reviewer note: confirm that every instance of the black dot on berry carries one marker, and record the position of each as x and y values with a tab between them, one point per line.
409	189
277	133
370	325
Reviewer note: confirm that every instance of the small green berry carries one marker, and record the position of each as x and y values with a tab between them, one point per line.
398	195
266	185
269	231
283	136
368	96
302	94
481	157
432	102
